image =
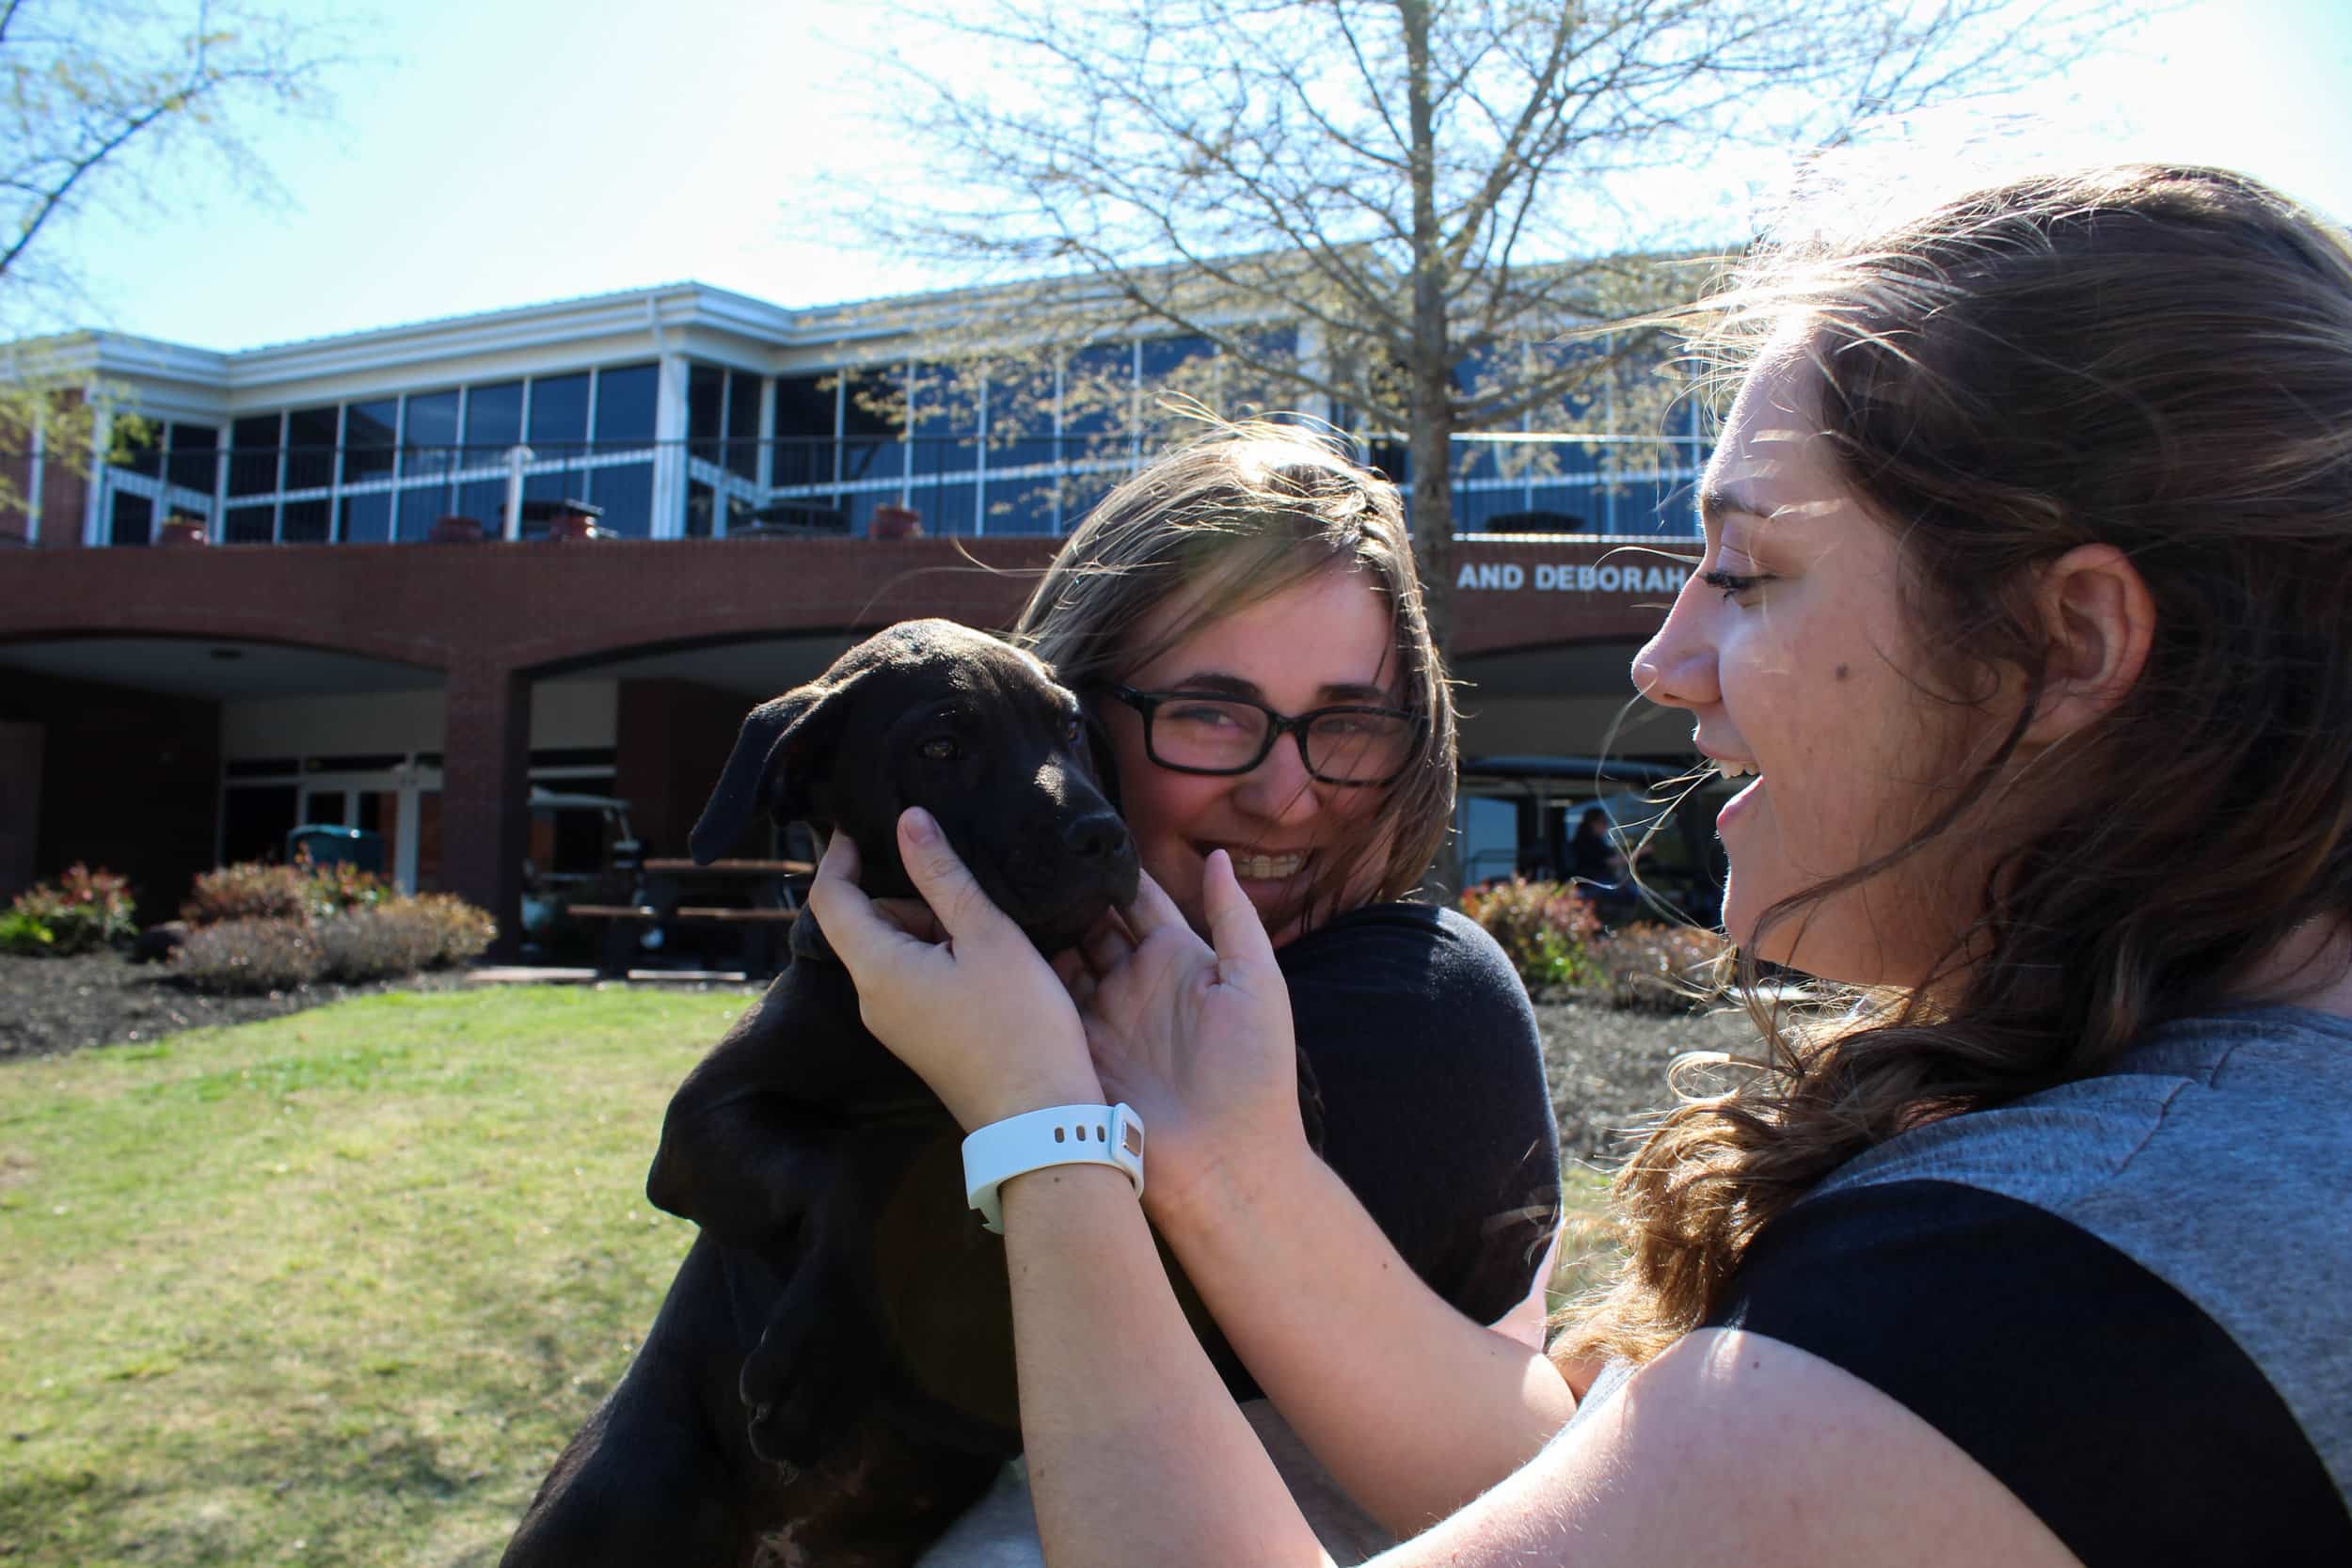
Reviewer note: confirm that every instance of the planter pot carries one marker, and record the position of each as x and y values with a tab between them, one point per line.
895	522
457	531
182	530
574	525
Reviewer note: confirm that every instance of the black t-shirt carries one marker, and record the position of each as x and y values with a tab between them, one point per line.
1436	1114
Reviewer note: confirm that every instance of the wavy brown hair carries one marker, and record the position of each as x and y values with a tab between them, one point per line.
1237	515
2160	358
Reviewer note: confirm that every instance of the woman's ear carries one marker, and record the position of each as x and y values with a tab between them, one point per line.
2098	618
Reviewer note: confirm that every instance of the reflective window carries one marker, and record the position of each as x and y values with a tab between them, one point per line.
626	493
253	460
191	464
430	421
624	402
310	437
248	525
559	408
873	412
705	398
305	523
743	423
132	521
366	519
369	432
494	415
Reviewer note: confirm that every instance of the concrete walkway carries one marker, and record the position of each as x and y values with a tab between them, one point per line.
531	974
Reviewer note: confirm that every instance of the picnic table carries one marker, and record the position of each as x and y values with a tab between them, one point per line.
758	896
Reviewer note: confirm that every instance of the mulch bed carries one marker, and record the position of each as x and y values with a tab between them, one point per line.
53	1004
1607	1068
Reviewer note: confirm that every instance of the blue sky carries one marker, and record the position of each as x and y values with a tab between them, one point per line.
502	154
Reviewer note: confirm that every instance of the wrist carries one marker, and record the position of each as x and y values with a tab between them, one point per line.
1212	1189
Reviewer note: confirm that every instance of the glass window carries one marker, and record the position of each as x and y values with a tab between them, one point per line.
625	398
872	414
133	520
367	519
803	429
305	523
431	423
310	437
705	397
191	464
139	446
253	454
626	493
1098	394
248	525
743	423
494	415
559	410
369	431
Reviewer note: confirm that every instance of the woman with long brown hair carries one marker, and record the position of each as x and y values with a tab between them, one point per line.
2028	554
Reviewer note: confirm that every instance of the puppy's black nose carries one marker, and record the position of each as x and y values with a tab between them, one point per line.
1096	836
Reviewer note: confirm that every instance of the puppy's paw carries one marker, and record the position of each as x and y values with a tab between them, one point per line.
805	1385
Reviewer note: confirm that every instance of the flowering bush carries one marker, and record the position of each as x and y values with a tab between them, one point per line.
251	891
334	888
357	924
82	910
250	955
1657	968
1545	929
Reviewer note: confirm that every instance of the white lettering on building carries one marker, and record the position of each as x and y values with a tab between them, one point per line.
1561	576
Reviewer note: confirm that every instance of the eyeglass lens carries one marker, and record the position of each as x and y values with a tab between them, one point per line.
1202	732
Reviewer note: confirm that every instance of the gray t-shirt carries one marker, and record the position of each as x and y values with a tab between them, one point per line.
2129	1297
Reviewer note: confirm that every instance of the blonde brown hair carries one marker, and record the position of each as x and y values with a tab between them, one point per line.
2155	357
1235	516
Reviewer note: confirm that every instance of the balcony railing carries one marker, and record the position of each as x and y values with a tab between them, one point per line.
963	485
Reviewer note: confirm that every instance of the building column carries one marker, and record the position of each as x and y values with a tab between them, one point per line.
668	462
485	784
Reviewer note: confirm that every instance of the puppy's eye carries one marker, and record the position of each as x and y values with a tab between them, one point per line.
944	749
1072	727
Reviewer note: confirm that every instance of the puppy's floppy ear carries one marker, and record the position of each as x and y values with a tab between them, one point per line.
767	772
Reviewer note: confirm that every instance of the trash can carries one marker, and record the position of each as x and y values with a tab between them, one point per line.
325	846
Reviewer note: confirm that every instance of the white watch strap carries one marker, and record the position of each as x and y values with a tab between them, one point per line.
1056	1135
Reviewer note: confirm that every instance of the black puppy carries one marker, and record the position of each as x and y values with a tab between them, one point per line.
830	1379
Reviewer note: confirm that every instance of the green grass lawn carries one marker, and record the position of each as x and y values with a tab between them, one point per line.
335	1288
331	1289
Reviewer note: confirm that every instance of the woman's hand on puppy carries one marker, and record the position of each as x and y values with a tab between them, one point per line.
1196	1036
955	990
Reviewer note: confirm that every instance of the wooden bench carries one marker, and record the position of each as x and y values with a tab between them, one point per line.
772	886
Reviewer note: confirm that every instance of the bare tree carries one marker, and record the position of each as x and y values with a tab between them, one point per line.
92	94
1437	194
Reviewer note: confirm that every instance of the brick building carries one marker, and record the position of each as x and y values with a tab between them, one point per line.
333	580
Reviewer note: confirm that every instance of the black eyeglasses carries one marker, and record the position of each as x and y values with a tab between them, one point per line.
1192	732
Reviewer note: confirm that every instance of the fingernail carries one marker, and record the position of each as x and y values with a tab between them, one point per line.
919	826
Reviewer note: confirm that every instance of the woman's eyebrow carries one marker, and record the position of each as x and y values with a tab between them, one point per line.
1219	681
1718	502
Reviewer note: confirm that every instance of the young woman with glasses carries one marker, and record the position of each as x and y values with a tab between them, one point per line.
1244	622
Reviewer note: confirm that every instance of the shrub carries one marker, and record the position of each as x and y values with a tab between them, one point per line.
1544	928
21	931
250	955
1657	968
337	887
378	943
83	910
462	931
251	890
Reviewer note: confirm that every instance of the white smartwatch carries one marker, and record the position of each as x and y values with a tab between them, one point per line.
1056	1135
